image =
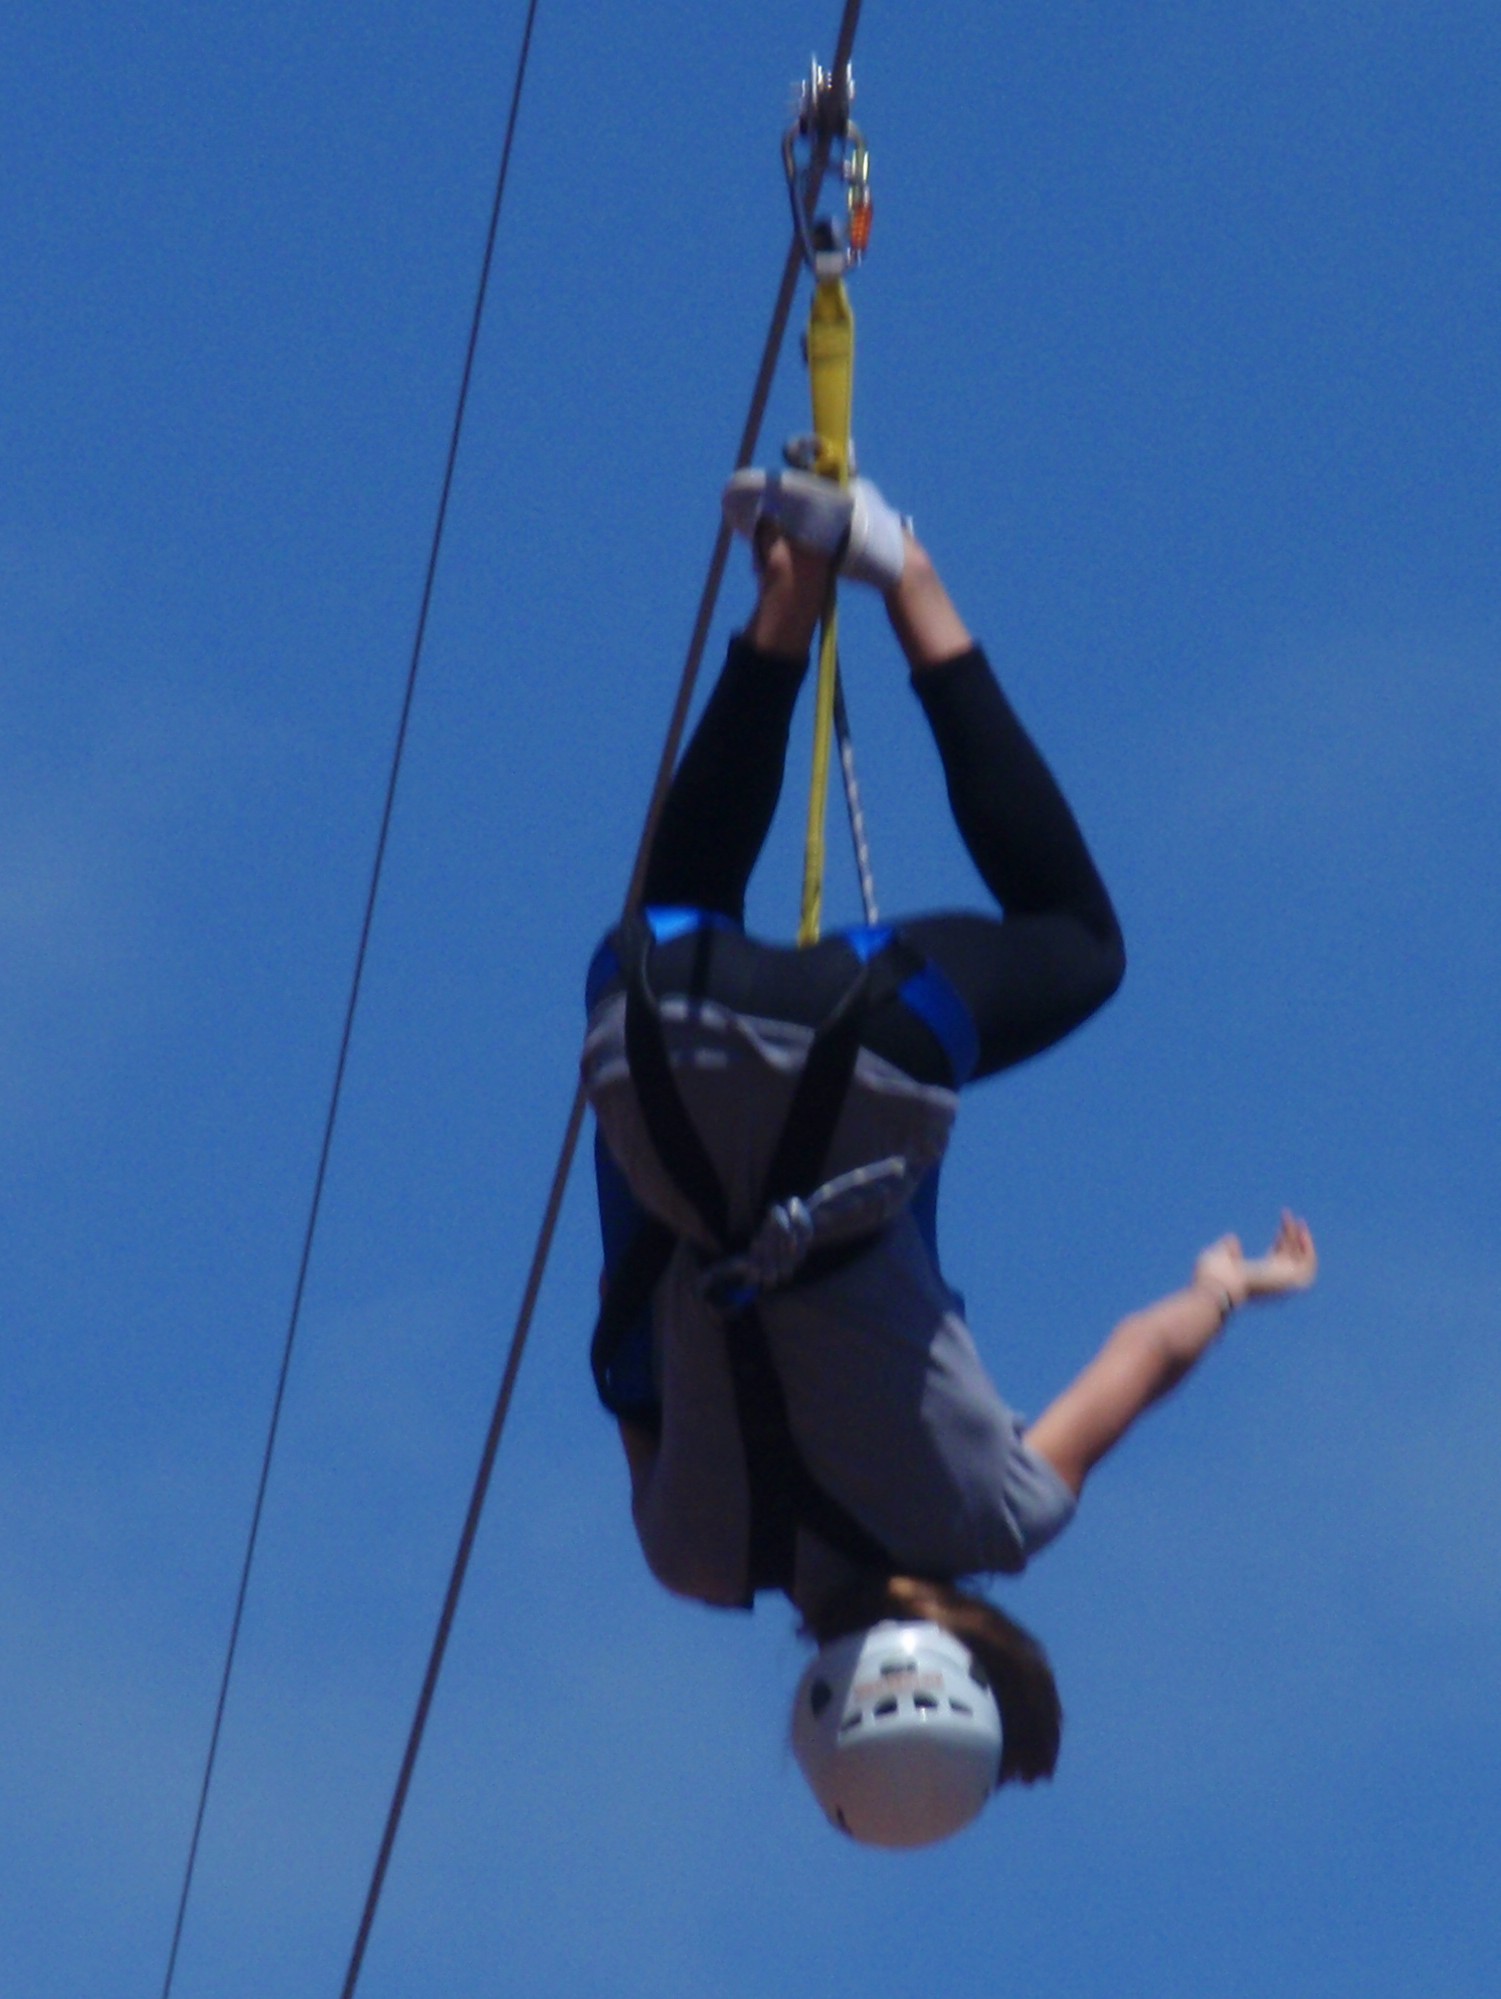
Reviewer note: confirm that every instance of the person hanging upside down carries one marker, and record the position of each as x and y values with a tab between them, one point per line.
802	1404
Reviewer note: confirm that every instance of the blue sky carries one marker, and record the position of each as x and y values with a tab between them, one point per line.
1178	337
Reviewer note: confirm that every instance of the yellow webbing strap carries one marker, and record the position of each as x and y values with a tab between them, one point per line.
831	378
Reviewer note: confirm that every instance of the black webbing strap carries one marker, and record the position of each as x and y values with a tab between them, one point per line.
627	1297
673	1133
813	1115
784	1495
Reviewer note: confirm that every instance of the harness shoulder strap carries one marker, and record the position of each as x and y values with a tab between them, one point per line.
673	1133
797	1164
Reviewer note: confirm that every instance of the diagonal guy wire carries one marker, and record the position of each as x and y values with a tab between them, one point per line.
350	1010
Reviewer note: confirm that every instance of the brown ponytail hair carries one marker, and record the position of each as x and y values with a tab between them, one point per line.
1013	1661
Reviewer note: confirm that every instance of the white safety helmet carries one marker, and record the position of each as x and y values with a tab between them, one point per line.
898	1733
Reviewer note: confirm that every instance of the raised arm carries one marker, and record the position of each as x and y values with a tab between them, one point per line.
1150	1352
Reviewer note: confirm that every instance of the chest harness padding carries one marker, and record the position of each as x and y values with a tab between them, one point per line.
783	1493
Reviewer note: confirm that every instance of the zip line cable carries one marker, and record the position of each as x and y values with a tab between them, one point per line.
760	394
361	952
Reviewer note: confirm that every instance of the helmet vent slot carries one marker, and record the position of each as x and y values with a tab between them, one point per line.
924	1701
887	1706
819	1696
960	1707
850	1721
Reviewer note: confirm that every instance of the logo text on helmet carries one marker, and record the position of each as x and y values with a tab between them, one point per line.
908	1679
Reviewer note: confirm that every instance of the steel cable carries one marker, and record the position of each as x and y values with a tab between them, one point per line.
321	1174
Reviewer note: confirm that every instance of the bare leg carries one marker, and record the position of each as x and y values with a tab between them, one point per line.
793	586
928	628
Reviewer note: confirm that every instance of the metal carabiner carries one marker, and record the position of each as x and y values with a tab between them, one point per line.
823	117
